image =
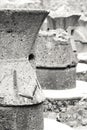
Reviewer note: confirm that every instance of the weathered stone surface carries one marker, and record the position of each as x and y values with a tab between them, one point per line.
57	19
63	17
78	92
71	5
53	50
29	4
54	60
80	34
18	29
18	82
21	118
57	78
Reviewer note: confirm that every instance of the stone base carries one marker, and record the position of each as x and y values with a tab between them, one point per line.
21	118
57	78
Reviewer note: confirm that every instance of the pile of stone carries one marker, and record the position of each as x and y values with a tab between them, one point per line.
74	115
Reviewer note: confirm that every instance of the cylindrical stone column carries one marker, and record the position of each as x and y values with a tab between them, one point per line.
21	96
55	61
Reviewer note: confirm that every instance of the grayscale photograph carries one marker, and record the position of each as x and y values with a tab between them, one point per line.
43	64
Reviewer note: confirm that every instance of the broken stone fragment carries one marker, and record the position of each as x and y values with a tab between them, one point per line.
21	118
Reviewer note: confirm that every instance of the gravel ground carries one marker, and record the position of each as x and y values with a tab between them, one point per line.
70	112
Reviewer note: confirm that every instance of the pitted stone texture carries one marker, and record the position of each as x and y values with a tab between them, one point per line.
53	50
18	30
21	118
67	5
57	78
18	83
62	19
29	4
80	34
61	22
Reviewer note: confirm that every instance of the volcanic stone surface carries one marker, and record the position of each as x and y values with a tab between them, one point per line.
57	78
18	81
53	50
55	60
16	4
62	19
21	118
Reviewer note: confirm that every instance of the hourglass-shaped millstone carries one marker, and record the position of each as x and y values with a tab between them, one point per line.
63	18
55	61
21	96
66	19
18	82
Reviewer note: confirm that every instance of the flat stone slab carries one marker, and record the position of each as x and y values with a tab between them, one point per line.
82	57
79	92
81	67
51	124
